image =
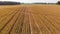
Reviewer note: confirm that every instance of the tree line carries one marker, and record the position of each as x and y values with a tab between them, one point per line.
8	3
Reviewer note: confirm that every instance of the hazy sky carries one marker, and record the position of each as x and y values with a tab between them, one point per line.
30	1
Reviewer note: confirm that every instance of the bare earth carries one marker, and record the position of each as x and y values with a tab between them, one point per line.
30	19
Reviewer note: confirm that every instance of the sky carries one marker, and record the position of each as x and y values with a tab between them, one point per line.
32	1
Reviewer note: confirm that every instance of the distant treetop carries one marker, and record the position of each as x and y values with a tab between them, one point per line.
58	2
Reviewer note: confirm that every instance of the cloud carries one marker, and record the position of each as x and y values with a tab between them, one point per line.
30	1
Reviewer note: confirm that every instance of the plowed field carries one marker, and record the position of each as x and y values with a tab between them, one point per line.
30	19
